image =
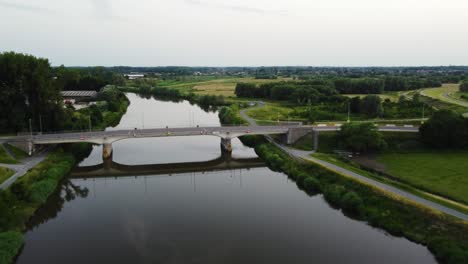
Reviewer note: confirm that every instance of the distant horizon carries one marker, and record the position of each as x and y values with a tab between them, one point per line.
224	33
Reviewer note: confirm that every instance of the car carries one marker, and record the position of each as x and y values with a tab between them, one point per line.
82	138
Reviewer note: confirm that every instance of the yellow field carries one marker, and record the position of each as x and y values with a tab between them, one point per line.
226	87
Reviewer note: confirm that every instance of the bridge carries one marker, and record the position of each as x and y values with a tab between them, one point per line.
226	133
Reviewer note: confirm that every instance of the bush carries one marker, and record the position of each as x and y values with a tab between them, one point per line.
448	251
40	191
351	201
301	177
275	161
312	185
10	244
333	193
464	86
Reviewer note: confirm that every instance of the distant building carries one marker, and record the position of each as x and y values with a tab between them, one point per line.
133	76
74	96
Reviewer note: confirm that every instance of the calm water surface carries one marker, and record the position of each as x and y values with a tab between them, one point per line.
232	216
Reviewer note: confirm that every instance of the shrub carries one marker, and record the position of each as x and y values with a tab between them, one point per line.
10	244
448	251
19	190
333	193
312	185
351	201
301	177
40	191
275	161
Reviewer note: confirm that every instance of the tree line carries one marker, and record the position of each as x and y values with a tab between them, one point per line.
87	78
30	93
299	92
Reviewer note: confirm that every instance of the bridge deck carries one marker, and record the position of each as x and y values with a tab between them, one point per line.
101	137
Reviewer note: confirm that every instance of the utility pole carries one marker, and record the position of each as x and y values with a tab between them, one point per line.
422	120
349	110
30	128
90	128
40	122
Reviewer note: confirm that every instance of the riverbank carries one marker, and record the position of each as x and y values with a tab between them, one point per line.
443	235
27	194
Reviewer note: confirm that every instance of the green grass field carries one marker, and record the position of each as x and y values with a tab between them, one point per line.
19	154
447	94
211	85
271	112
440	172
5	173
6	158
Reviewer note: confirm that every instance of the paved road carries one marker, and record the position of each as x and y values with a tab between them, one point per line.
391	189
22	168
305	155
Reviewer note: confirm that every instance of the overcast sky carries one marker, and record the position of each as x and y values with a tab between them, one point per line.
238	32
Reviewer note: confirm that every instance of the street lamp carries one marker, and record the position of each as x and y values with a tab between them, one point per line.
30	128
90	128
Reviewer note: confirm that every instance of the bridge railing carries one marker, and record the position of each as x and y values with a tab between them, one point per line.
36	133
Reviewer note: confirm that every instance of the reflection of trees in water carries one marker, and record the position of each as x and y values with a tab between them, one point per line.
205	107
66	192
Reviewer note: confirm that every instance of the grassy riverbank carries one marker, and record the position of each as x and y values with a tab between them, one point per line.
23	198
19	202
445	236
5	173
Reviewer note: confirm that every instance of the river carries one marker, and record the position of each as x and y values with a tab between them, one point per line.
250	215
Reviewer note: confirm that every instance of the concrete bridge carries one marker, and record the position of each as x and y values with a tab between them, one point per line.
106	138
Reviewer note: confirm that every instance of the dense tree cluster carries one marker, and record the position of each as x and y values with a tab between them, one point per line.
299	92
93	78
445	129
27	91
359	85
30	90
362	137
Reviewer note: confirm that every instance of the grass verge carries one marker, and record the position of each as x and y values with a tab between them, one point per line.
5	173
441	172
5	157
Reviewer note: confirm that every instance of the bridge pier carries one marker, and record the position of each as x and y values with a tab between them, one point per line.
226	145
107	151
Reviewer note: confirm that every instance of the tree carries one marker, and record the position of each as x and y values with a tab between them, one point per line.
371	106
445	129
464	86
362	137
27	91
355	105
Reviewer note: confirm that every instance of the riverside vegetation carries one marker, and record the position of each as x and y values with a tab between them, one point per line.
443	235
31	191
27	194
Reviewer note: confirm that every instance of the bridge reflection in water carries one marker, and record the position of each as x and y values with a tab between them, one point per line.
110	168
